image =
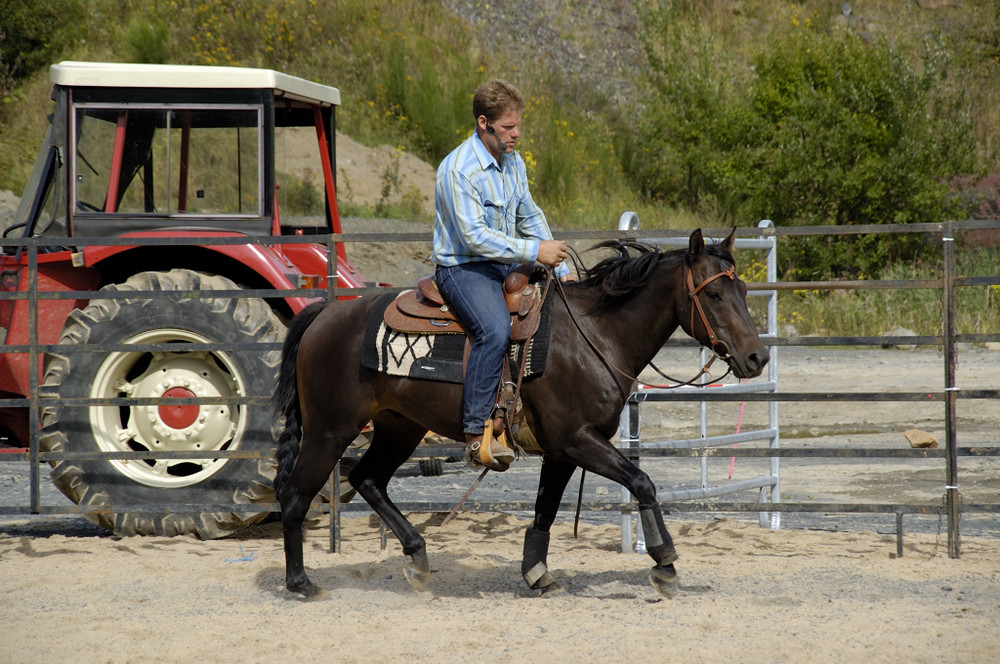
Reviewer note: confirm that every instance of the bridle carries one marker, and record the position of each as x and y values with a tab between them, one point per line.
696	305
693	296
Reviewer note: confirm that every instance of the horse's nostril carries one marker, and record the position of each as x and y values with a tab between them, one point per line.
758	360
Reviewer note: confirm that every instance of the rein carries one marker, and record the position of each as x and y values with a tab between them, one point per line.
693	296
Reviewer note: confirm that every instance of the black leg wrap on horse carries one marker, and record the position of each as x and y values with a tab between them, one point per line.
659	544
533	567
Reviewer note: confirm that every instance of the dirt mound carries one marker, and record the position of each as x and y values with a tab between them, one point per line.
8	206
365	175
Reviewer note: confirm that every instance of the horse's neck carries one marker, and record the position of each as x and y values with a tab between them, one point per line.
636	328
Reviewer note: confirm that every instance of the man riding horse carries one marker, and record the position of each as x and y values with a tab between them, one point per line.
486	223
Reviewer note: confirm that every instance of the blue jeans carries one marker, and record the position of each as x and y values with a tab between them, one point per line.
475	292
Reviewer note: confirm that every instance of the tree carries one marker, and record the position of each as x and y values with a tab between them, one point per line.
811	127
32	33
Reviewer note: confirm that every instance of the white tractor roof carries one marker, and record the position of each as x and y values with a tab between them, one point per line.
122	75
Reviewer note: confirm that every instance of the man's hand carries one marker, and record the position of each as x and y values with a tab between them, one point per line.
552	252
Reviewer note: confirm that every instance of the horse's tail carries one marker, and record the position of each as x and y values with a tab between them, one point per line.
286	395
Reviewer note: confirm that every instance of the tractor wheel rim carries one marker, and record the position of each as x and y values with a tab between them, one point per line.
168	427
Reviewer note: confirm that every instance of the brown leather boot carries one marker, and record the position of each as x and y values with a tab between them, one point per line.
493	454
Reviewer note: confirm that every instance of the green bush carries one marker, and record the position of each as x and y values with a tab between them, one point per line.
573	168
428	94
33	33
146	40
813	127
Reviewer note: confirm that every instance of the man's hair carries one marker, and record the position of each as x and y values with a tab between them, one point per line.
494	98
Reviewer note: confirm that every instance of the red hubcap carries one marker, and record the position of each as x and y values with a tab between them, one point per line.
180	416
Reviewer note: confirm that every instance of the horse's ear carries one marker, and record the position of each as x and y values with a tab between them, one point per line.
696	245
730	241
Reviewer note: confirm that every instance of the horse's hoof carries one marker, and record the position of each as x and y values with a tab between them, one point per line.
664	580
546	584
307	590
418	570
416	577
552	590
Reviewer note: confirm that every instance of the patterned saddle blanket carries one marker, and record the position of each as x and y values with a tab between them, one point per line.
439	356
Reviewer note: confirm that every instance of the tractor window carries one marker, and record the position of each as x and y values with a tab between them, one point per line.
168	161
299	174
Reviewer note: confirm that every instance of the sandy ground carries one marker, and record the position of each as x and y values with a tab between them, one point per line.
745	593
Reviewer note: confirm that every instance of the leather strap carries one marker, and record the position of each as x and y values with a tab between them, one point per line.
693	296
485	447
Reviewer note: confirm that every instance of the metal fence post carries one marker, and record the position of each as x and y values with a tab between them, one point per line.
628	433
948	309
34	416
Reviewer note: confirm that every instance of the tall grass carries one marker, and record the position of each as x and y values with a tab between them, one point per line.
871	312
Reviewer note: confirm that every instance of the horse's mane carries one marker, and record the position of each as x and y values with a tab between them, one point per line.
624	273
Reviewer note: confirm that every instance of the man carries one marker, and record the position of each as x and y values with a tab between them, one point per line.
486	224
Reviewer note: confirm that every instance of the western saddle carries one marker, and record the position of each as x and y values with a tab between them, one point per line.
424	310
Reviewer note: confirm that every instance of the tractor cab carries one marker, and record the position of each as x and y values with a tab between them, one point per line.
134	148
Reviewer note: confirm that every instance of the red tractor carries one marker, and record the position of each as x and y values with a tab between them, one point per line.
168	164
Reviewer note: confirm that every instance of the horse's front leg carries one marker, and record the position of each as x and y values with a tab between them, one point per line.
596	454
660	547
551	486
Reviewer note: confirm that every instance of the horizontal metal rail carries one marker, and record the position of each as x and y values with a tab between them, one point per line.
680	506
644	450
21	454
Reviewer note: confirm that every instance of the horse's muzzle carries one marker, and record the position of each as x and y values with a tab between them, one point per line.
749	365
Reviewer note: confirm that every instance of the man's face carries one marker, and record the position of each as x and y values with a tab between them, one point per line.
502	135
508	129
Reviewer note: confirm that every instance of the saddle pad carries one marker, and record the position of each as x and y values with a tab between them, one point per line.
437	356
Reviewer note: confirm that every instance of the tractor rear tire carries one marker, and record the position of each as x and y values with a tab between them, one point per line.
227	371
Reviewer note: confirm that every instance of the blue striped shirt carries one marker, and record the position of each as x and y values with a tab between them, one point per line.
485	212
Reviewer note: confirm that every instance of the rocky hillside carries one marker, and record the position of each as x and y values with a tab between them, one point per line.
594	44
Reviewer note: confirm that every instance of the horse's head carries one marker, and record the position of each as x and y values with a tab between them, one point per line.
718	317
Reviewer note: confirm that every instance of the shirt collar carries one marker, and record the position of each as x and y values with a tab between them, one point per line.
486	160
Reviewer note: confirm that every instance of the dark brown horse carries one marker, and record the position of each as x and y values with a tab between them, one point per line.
605	329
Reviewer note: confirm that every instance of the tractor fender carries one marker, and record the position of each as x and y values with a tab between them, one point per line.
278	265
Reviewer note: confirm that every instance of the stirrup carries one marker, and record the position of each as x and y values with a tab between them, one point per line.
492	453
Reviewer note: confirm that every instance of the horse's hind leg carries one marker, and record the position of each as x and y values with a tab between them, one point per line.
312	469
394	439
551	486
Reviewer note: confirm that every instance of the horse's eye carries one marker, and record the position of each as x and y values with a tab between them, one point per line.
714	297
